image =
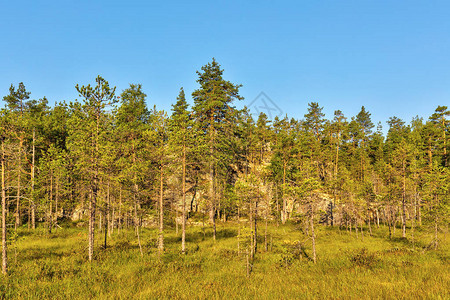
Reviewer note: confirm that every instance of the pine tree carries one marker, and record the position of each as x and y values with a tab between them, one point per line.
158	136
17	103
90	120
439	118
213	111
399	157
5	130
181	139
132	122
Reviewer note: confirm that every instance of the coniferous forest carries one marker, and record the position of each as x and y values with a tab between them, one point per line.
106	196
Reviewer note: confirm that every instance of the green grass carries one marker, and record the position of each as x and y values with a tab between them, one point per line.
348	267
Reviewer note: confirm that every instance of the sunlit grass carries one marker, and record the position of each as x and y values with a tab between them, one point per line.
348	266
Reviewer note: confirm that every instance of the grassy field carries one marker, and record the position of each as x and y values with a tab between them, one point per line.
349	266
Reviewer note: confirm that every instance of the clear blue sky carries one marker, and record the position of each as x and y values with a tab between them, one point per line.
393	57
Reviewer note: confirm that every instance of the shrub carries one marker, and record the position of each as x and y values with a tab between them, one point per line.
363	258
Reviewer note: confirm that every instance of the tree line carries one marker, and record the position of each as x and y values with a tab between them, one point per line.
114	161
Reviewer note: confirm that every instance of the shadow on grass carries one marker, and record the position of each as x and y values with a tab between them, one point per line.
199	236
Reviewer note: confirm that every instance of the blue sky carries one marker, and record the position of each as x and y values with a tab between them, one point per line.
390	56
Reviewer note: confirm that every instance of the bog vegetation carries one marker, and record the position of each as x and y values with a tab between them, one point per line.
103	196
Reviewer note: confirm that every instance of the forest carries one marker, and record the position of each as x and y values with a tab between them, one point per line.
105	180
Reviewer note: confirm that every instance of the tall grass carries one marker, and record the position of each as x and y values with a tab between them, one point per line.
349	266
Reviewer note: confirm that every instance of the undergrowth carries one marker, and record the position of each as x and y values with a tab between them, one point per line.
349	266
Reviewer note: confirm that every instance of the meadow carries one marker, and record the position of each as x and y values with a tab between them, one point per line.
349	266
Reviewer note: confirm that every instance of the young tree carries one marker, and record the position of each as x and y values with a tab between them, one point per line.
439	118
158	136
437	195
16	102
90	122
4	129
180	137
132	122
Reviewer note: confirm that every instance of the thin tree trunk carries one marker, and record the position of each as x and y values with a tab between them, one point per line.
335	177
250	217
110	215
413	223
265	237
135	220
404	202
419	211
255	236
33	205
100	220
106	214
212	215
55	222
284	216
278	203
389	221
248	265
183	224
120	210
176	219
430	155
50	212
4	245
92	207
161	213
105	226
436	241
113	220
239	230
19	175
94	187
313	235
378	219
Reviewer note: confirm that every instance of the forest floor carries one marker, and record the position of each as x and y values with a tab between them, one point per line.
349	265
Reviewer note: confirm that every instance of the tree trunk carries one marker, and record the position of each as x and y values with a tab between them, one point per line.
404	202
255	244
212	213
430	155
283	213
313	235
33	205
378	219
239	230
265	237
56	204
278	203
250	218
106	217
19	174
4	245
161	213
120	210
135	219
50	211
436	241
109	211
183	224
92	207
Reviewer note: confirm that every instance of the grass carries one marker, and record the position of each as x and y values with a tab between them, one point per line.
349	267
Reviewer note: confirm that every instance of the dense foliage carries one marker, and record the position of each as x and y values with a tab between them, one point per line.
110	159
